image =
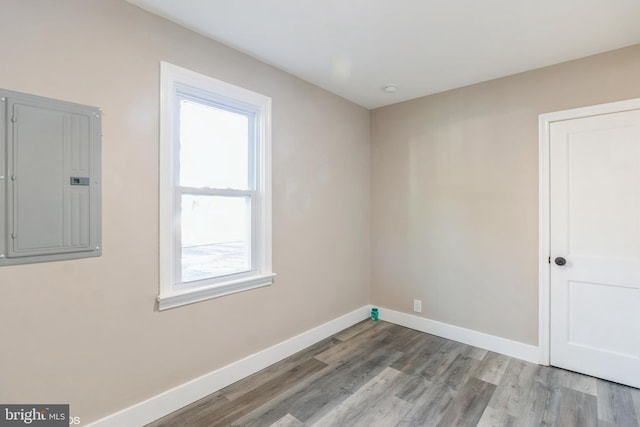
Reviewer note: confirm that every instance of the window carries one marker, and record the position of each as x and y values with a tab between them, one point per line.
215	188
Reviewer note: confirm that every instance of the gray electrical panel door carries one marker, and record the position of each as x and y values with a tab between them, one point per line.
50	182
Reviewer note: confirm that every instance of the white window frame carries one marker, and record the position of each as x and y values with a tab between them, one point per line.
176	84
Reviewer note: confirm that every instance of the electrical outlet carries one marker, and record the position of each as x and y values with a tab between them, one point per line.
417	305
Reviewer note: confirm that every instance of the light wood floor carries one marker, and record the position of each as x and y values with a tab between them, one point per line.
380	374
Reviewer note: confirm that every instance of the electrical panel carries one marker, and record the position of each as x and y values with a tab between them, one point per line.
50	179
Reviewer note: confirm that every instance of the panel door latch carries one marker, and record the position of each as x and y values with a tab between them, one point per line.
76	180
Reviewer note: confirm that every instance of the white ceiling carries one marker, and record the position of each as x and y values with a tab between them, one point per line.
355	47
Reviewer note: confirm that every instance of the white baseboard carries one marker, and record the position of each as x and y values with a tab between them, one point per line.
180	396
511	348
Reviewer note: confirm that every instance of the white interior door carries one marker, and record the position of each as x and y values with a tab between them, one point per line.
595	228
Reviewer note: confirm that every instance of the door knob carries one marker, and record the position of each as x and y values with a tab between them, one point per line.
560	261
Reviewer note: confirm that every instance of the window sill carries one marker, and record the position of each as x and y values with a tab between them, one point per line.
166	302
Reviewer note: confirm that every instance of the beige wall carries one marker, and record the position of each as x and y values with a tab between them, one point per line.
455	197
453	207
86	332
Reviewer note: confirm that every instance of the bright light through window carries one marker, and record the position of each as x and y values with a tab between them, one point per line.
215	188
213	147
215	236
214	154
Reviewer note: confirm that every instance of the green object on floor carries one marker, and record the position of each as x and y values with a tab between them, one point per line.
374	314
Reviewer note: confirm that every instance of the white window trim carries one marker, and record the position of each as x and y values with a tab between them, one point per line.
171	295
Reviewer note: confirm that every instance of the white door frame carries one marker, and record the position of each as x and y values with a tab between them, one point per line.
544	243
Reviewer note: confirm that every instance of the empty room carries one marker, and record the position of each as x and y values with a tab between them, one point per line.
330	213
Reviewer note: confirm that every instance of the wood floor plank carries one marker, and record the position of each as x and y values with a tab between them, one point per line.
635	396
380	374
366	400
494	418
259	378
514	388
469	404
615	404
357	345
478	353
578	382
352	381
440	360
418	354
577	409
244	404
356	329
492	367
414	388
386	413
288	421
191	414
543	403
459	371
329	389
403	338
429	403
